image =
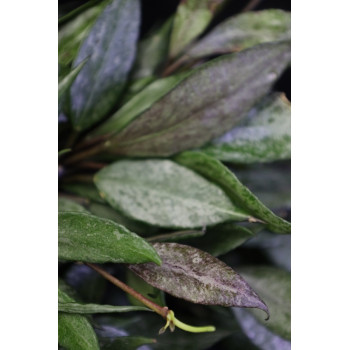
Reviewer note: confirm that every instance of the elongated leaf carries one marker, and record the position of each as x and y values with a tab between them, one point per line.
221	239
274	286
66	82
215	171
139	104
264	136
84	190
163	193
75	331
77	308
85	237
127	343
65	204
191	274
191	19
152	51
243	31
72	34
207	104
111	48
176	236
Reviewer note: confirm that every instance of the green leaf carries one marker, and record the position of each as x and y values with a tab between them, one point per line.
176	236
215	171
264	136
208	103
66	82
127	343
274	285
150	292
72	34
191	274
191	19
77	308
163	193
139	104
111	48
75	331
84	190
222	238
152	51
88	238
65	204
243	31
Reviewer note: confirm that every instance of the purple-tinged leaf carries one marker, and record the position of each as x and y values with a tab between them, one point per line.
191	274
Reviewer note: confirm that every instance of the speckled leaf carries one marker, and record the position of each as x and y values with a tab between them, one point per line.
191	274
139	104
88	238
215	171
221	239
163	193
72	34
274	286
111	48
191	19
152	51
75	331
208	103
77	308
65	84
263	136
65	204
243	31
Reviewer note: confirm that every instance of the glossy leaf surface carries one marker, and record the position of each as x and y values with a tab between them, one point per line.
215	171
111	48
163	193
263	136
191	19
75	331
191	274
243	31
85	237
208	103
274	285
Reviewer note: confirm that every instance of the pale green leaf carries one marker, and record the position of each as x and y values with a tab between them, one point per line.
65	204
163	193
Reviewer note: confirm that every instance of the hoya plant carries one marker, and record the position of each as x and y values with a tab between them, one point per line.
174	175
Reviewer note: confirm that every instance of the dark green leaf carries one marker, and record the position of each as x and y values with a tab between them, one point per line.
215	171
243	31
264	136
84	190
65	204
274	286
191	19
77	308
221	239
85	237
71	35
191	274
75	331
127	343
139	104
66	82
176	236
111	48
137	283
104	211
152	51
208	103
163	193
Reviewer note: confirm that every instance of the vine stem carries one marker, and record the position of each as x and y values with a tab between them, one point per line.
162	311
251	5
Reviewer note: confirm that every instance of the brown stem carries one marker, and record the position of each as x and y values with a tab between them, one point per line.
92	165
77	157
174	66
163	311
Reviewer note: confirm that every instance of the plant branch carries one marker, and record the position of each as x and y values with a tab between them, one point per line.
251	5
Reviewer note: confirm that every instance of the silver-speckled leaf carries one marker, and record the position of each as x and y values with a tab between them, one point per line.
191	274
111	49
208	103
163	193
